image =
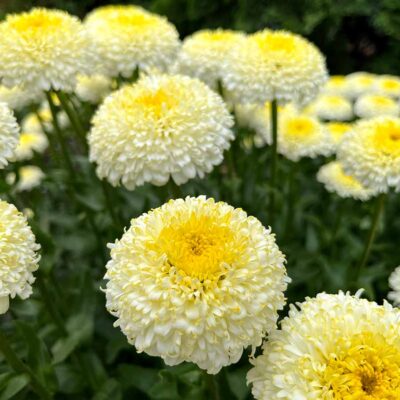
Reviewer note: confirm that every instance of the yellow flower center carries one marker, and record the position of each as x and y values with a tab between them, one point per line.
338	129
276	42
201	248
334	101
219	36
337	80
347	180
368	368
382	101
37	22
391	84
155	103
300	127
27	139
387	138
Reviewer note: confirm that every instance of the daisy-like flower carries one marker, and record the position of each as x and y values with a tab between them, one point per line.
373	105
359	83
336	86
331	347
337	130
129	37
387	85
30	176
30	143
299	136
43	49
394	283
333	107
17	98
371	153
203	54
163	126
196	280
336	181
19	256
9	135
272	65
94	88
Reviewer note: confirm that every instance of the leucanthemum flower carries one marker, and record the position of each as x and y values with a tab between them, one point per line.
203	54
18	255
272	65
128	37
196	280
337	130
17	98
9	135
299	135
336	86
43	49
331	347
30	176
373	105
359	83
333	108
93	88
371	153
337	181
163	126
394	283
387	85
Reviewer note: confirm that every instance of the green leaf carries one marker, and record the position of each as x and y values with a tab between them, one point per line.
109	390
14	386
139	377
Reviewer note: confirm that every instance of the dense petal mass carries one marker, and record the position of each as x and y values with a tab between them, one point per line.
359	83
387	85
18	255
129	37
373	105
333	108
336	181
9	135
272	65
163	126
332	347
371	153
196	280
203	54
17	98
93	88
43	49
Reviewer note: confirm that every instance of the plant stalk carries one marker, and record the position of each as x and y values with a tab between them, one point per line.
274	157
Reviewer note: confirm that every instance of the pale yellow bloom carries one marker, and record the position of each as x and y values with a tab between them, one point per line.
333	108
19	257
387	85
374	105
331	347
197	281
359	83
9	135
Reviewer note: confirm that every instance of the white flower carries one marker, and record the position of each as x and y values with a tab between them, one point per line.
9	135
196	281
394	283
93	88
163	126
18	255
359	83
373	105
333	107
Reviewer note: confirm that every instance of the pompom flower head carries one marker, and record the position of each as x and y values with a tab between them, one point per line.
17	98
387	85
129	37
336	181
18	255
373	105
9	135
203	54
336	86
300	135
196	281
333	108
163	126
359	83
337	130
331	347
371	153
30	176
394	283
43	49
272	65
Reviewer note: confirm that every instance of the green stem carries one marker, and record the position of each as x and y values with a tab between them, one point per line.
290	200
21	367
379	205
109	203
212	386
60	137
274	156
73	117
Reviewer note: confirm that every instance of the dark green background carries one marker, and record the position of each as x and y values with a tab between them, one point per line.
354	34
